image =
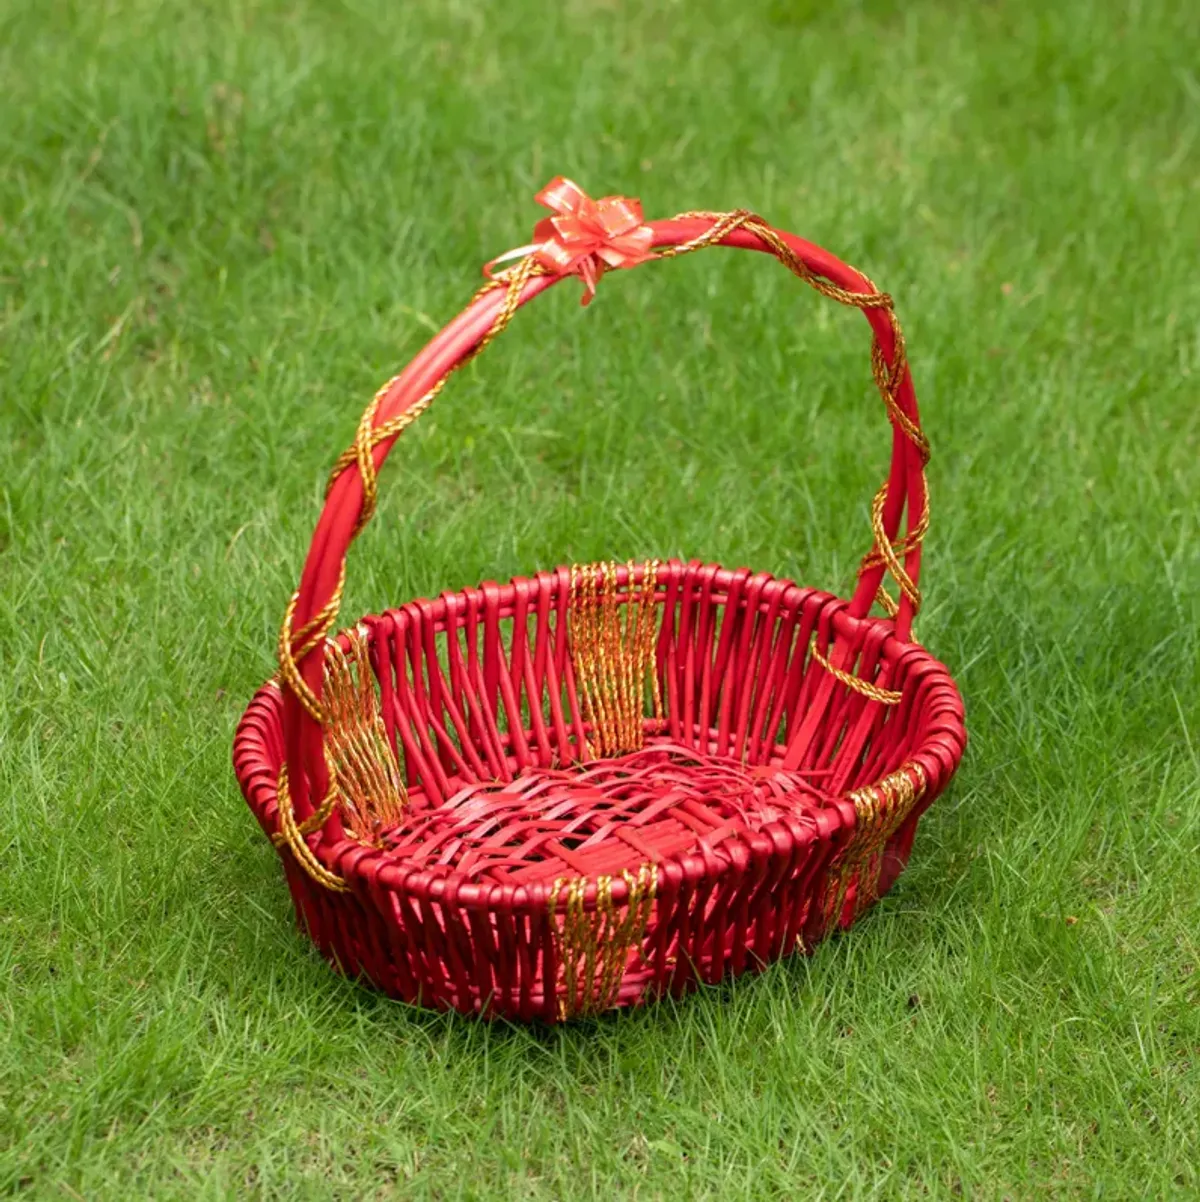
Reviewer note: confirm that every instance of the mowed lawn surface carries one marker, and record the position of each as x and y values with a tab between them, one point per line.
223	224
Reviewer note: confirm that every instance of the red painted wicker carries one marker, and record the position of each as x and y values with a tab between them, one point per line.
605	783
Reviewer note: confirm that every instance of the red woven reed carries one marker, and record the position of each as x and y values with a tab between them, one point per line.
742	801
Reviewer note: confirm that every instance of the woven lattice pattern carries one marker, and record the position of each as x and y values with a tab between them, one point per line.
662	801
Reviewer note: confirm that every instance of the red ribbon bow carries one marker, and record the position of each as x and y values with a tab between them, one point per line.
585	236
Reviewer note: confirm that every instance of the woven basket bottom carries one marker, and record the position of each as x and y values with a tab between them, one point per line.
601	817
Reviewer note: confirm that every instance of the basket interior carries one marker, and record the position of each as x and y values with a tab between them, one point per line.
485	709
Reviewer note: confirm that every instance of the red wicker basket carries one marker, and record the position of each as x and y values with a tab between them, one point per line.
604	783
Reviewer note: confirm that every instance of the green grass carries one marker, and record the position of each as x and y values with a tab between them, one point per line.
223	223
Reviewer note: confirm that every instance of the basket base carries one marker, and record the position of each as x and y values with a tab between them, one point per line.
602	817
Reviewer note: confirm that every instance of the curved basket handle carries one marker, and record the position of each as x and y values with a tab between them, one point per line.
585	238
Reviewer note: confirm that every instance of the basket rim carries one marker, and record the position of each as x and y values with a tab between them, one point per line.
257	767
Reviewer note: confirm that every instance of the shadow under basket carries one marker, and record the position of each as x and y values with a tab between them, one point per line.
604	783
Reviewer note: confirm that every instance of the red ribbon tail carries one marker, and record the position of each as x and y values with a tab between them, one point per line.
516	253
590	271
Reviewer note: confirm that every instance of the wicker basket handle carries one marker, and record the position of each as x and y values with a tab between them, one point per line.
568	245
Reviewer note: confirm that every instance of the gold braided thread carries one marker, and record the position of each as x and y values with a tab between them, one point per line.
363	776
293	647
881	809
613	659
293	836
886	551
592	946
369	787
887	379
865	687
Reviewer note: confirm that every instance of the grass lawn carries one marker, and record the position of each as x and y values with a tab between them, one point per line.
223	224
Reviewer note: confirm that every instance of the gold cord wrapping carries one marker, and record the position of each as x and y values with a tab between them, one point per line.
612	660
887	380
865	687
592	946
884	551
369	787
363	775
881	809
293	836
294	646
